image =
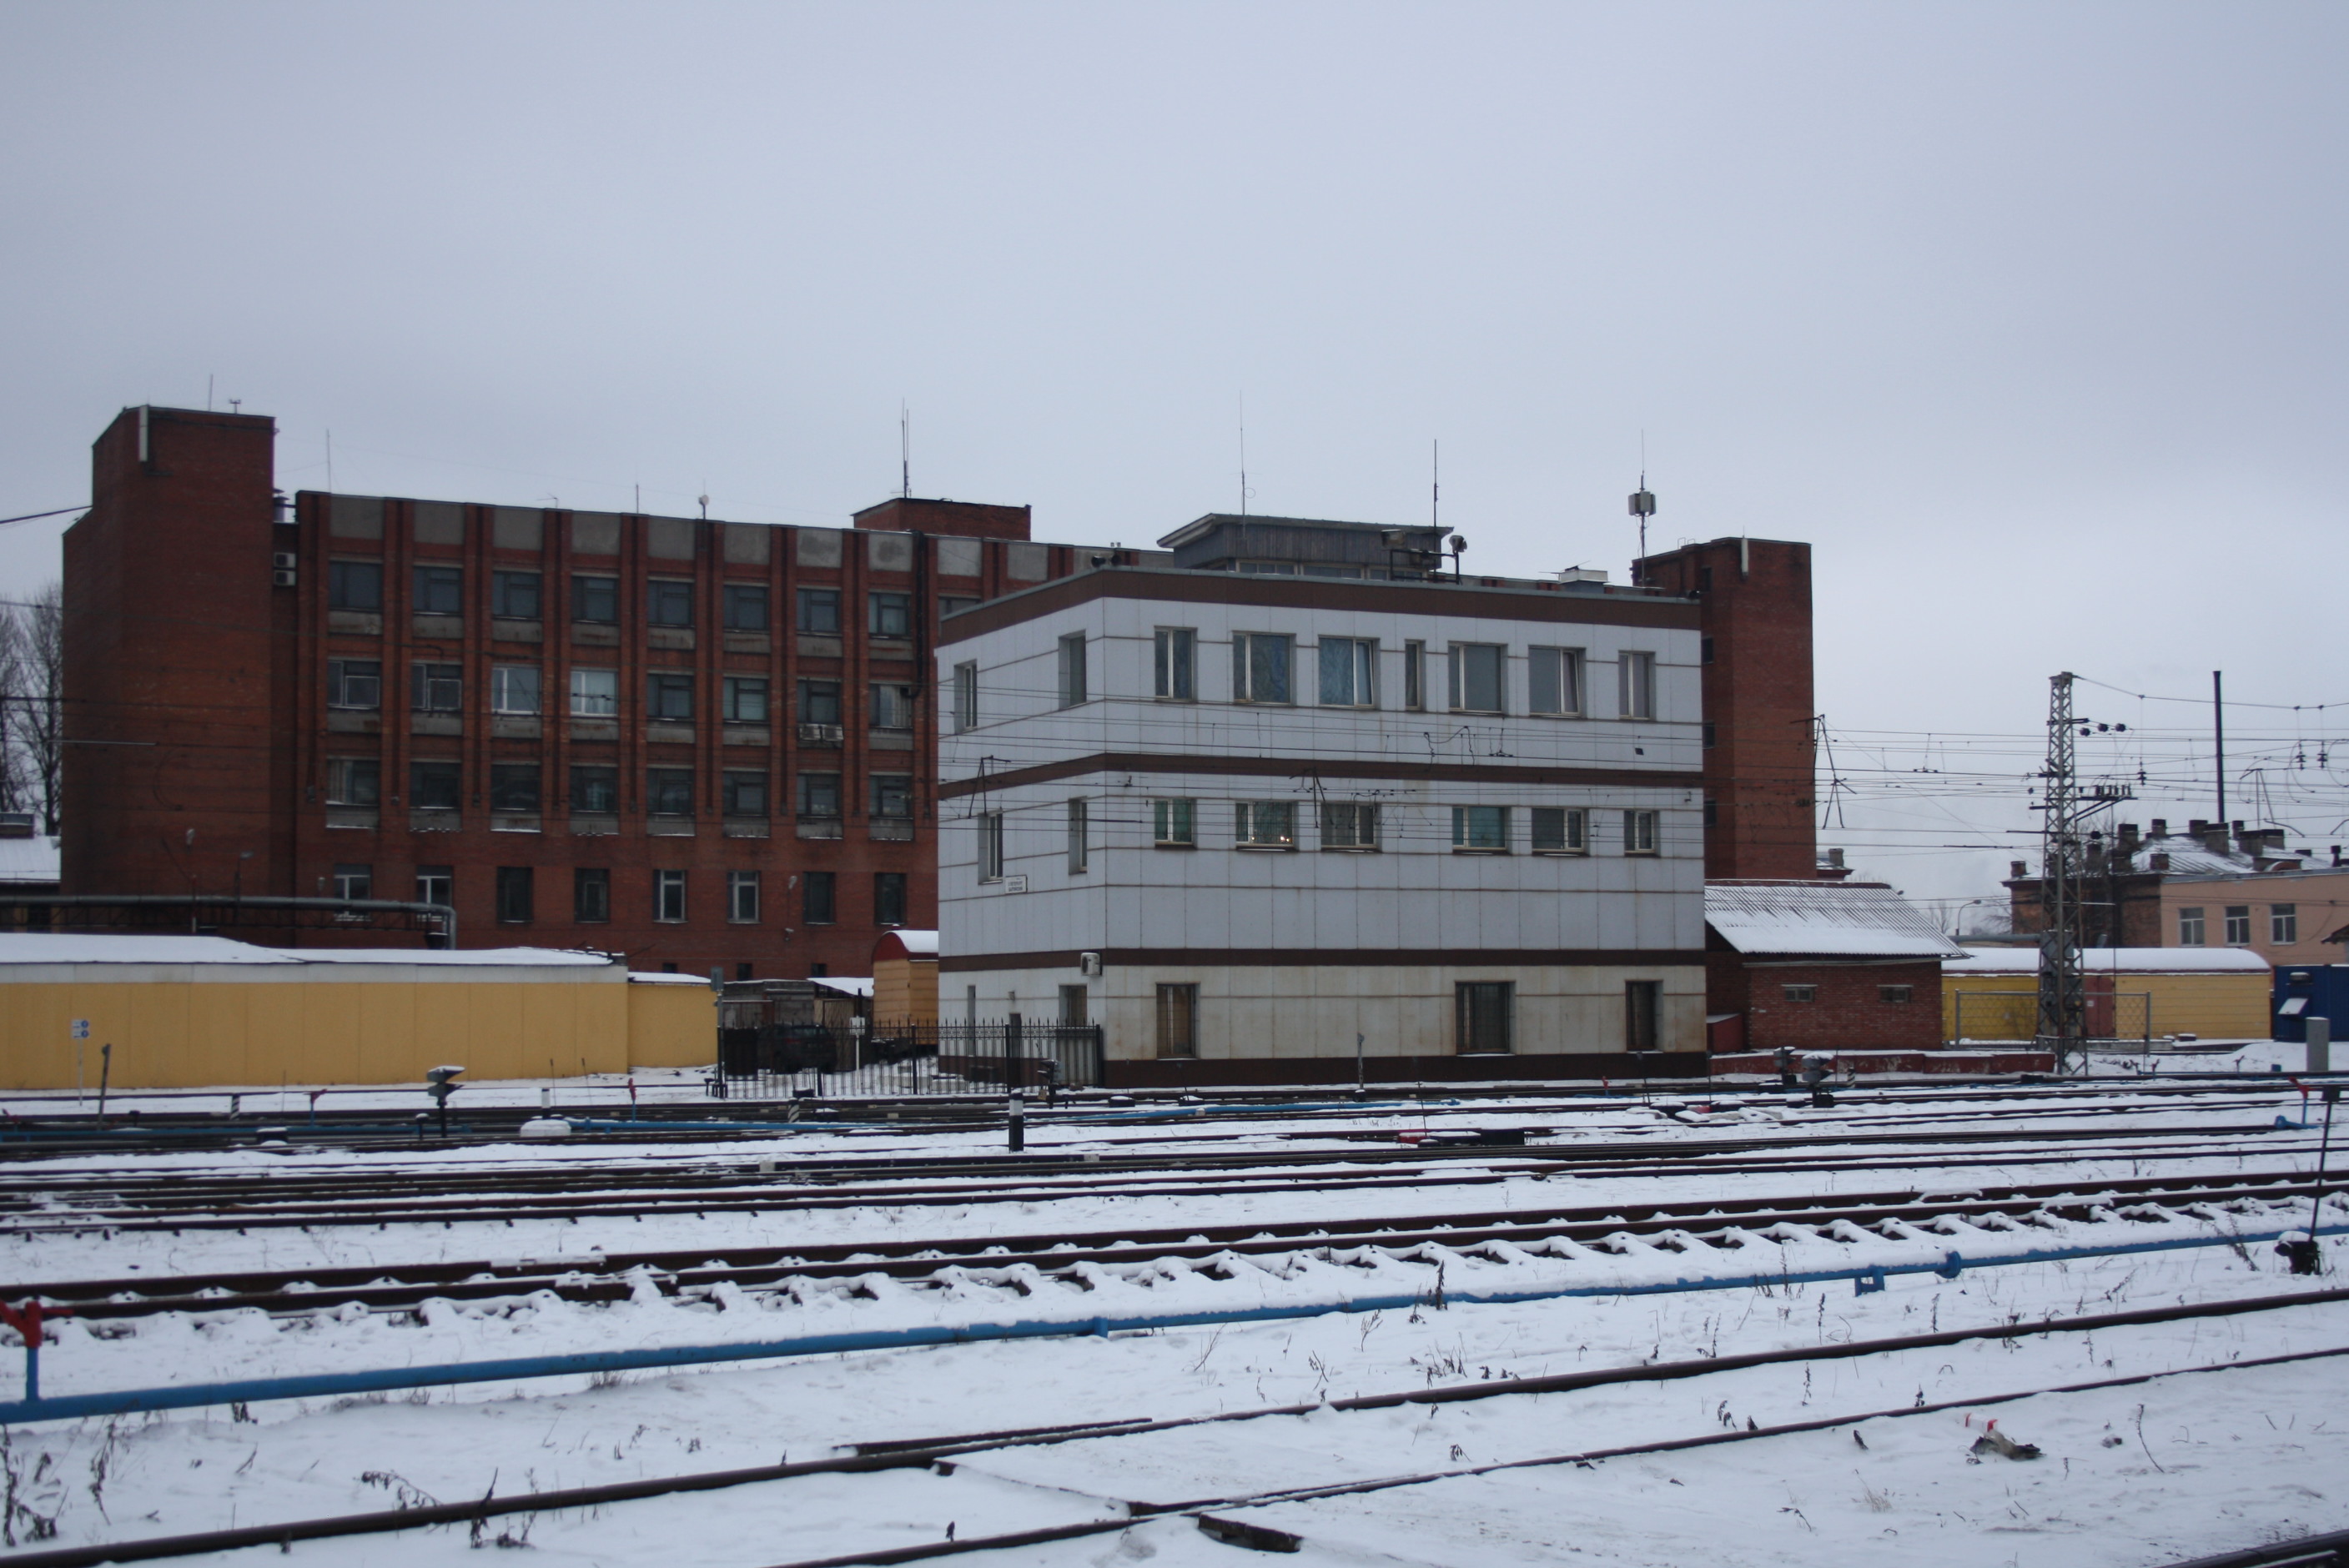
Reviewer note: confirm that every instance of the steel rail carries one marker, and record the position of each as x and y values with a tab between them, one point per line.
925	1452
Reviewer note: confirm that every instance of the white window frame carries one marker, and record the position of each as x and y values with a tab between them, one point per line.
1414	676
1072	670
586	702
1245	685
729	698
668	897
1175	824
339	770
1358	672
1456	674
2193	926
1351	827
890	705
1555	682
743	898
965	697
2235	922
990	846
1264	824
1464	833
1175	663
1643	833
1573	831
2284	924
1635	684
342	685
514	690
1080	836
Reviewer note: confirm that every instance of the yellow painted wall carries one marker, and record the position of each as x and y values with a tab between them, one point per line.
672	1027
2231	1006
173	1033
905	989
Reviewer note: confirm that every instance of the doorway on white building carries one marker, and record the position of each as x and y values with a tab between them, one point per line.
1642	1003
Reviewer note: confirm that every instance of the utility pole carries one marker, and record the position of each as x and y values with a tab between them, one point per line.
2062	995
2218	738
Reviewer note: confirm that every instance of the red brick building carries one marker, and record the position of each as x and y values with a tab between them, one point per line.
702	743
1818	966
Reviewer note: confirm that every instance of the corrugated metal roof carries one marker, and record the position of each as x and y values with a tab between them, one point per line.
36	859
1822	919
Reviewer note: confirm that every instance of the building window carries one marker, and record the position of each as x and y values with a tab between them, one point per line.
2284	924
1072	669
1261	665
1898	995
819	794
817	905
990	846
1476	675
1711	735
594	693
591	895
1480	829
2239	925
893	795
1555	681
439	590
354	585
1485	1017
669	792
435	785
1800	993
966	698
354	782
1414	676
436	884
513	788
1174	661
1266	825
2189	927
513	895
595	790
668	696
668	897
1639	832
891	614
596	601
1080	838
954	603
513	688
354	881
893	706
819	611
1349	672
1172	824
1178	1020
745	699
819	702
1636	677
743	897
354	682
1561	831
1643	1004
669	601
1712	812
1349	825
888	898
1705	650
1076	1006
745	606
744	793
514	595
436	688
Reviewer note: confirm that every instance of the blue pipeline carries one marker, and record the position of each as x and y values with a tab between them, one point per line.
325	1385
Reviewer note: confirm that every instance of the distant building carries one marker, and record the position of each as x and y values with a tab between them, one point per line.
2217	884
1240	815
1818	966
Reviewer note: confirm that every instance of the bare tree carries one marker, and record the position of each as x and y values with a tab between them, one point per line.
32	685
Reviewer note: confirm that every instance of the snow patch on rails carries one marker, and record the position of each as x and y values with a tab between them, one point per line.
956	1302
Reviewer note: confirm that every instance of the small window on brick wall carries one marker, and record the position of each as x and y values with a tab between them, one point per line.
1801	993
1897	994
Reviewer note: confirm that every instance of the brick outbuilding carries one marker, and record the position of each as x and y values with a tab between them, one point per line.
1821	966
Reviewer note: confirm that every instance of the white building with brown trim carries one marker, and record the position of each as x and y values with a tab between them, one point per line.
1251	823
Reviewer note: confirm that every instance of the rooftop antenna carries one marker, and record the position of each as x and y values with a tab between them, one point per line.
705	505
1643	507
1435	484
904	452
208	393
1243	490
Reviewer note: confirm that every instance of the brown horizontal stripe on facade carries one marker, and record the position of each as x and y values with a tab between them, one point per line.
1291	768
1260	958
1173	586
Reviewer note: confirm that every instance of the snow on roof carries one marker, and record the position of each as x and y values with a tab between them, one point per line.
1823	919
34	860
87	947
910	944
848	984
2124	961
2190	857
645	977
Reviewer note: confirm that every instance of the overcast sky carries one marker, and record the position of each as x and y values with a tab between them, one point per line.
2029	318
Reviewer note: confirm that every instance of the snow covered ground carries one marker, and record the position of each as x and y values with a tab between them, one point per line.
2204	1461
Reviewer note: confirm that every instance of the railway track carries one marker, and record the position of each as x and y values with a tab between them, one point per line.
700	1274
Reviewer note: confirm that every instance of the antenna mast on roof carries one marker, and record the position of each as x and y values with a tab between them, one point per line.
905	451
1435	485
1243	490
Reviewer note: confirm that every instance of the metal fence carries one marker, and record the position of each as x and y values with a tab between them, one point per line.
879	1057
2003	1016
